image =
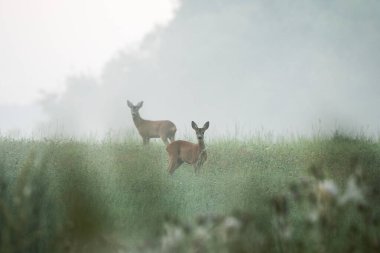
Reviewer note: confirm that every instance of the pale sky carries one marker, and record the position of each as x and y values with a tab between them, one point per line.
44	41
283	66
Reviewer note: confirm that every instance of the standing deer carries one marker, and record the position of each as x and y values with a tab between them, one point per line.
184	151
163	129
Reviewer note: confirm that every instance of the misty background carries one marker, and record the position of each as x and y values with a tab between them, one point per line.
285	67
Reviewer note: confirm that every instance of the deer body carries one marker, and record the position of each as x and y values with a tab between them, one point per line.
148	129
184	151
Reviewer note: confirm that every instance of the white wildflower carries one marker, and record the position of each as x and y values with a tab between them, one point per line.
327	192
328	187
231	223
229	227
352	193
201	233
173	238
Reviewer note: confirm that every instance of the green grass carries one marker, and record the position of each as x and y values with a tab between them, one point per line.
64	195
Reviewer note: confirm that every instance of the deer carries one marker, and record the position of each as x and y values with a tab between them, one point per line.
183	151
148	129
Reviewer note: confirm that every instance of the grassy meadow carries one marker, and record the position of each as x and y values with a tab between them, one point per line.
317	194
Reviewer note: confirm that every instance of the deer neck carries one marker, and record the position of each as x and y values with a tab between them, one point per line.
201	145
137	120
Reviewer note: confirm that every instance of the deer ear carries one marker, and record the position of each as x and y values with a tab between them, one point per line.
140	104
193	125
206	125
130	105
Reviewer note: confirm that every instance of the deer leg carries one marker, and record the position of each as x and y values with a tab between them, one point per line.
174	164
196	168
145	140
165	140
179	163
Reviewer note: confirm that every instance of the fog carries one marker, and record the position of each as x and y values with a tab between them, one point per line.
284	67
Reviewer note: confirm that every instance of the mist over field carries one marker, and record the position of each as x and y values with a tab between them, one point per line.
278	66
76	177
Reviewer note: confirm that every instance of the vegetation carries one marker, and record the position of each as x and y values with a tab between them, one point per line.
317	194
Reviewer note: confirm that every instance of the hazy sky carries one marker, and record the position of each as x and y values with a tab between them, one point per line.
287	66
44	41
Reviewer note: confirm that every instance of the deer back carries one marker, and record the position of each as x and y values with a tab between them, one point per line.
156	129
184	150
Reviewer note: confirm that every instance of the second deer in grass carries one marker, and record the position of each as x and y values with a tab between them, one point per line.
184	151
163	129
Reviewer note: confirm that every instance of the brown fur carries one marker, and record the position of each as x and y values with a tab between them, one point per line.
163	129
184	151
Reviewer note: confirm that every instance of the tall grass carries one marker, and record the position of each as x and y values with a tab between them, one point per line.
253	195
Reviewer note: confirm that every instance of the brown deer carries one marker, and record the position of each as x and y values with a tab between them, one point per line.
163	129
184	151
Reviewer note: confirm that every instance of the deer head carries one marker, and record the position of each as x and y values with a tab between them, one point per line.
184	151
135	108
200	132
